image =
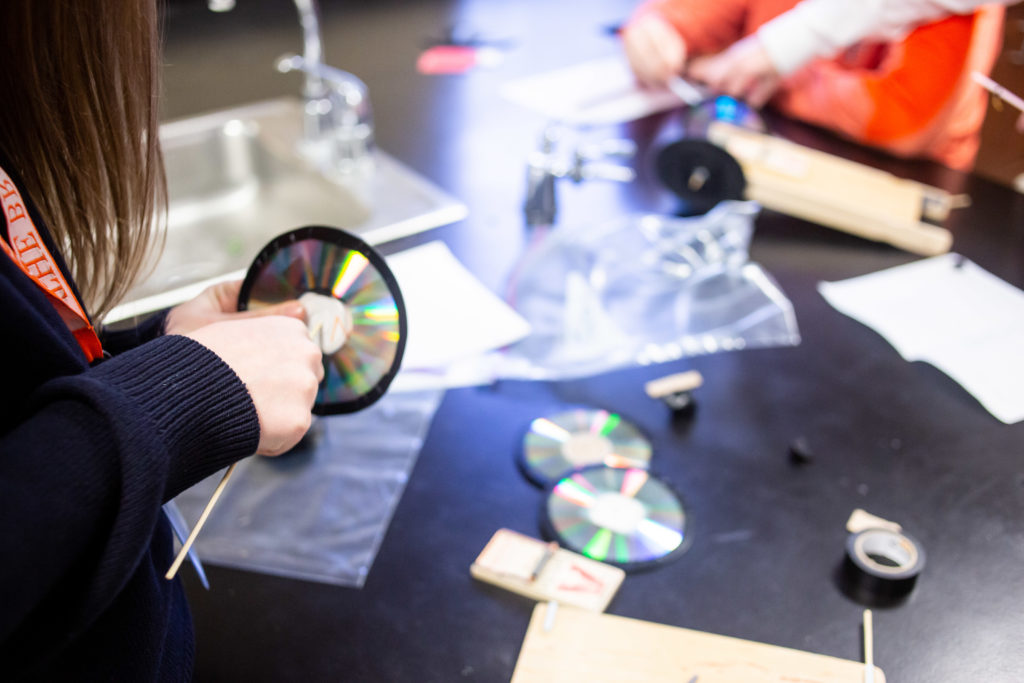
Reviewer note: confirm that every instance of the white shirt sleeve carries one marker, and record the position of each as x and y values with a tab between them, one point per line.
823	28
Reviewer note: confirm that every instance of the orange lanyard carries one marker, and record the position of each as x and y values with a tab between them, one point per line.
28	250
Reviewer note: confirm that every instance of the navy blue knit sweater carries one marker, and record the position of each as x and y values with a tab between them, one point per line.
87	457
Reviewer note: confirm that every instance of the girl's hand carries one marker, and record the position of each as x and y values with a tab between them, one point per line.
220	302
279	365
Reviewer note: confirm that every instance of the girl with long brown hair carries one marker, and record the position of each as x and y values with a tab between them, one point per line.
98	430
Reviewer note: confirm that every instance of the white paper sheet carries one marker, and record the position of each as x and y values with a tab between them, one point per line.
599	92
453	320
951	313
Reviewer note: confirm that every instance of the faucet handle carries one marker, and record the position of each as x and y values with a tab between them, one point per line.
589	161
619	148
597	170
348	85
585	162
289	62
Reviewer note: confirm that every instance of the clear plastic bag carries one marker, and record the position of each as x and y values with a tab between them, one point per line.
646	289
319	512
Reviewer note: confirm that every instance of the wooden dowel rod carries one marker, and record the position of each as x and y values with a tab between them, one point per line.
199	525
869	648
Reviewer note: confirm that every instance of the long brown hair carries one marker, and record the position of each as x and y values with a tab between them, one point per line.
79	123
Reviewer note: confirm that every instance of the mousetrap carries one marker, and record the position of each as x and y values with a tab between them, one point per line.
545	571
839	193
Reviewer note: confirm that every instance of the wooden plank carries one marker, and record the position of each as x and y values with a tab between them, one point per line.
917	238
601	648
837	193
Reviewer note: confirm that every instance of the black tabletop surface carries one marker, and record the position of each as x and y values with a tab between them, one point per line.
899	439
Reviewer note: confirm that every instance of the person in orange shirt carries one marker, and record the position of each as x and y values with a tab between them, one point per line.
911	97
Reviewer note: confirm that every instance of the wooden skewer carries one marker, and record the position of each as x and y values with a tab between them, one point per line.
998	90
316	330
869	649
183	553
686	91
199	525
180	527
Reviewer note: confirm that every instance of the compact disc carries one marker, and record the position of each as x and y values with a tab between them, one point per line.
576	438
354	309
622	516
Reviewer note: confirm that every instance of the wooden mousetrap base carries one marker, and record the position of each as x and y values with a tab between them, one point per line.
578	645
543	571
838	193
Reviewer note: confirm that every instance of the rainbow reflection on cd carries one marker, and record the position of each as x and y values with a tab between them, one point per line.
623	516
340	267
576	438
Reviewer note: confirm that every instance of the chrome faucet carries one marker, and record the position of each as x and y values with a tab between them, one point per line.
586	162
338	118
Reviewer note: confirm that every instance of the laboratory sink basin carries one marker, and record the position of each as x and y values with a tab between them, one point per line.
236	180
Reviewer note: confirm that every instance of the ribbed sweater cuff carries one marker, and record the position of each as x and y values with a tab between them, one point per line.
200	409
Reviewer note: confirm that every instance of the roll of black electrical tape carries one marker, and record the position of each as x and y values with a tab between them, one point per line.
881	566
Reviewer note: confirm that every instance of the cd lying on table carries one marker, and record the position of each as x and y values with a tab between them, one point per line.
354	309
575	438
623	516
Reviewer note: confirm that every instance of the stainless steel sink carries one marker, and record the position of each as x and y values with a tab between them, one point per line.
236	179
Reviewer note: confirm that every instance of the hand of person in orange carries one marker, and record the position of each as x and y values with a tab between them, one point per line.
743	71
655	50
